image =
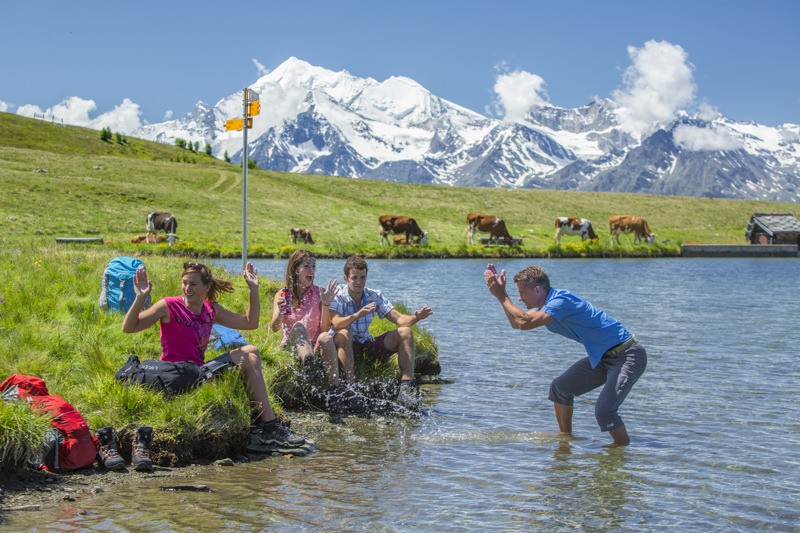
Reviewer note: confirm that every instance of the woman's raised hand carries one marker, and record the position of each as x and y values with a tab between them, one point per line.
329	293
250	275
141	285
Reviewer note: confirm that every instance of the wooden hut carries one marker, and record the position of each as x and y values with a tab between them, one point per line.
773	228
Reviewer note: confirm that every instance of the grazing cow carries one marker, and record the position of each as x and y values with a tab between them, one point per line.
301	234
495	227
142	238
401	225
630	224
163	221
574	226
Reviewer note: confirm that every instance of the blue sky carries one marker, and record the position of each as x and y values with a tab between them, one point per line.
162	57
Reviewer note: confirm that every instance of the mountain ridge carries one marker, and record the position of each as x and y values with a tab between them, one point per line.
322	122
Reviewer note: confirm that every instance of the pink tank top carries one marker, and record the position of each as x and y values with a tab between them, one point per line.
185	337
309	314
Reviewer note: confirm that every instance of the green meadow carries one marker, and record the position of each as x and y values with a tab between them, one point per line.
64	181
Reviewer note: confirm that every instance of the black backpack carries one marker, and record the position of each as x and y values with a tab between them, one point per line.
167	377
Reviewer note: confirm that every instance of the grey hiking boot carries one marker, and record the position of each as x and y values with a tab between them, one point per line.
107	453
267	436
409	396
140	450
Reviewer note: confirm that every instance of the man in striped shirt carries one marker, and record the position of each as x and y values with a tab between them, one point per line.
352	312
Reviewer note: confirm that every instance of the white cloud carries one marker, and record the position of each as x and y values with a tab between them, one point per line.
699	139
124	118
708	112
29	110
3	106
262	70
168	115
657	84
517	92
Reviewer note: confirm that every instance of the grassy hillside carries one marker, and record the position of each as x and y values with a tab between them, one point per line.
65	181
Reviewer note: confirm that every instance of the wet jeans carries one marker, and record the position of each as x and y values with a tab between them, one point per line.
617	374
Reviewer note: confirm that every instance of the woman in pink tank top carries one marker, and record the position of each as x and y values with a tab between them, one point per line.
185	325
305	316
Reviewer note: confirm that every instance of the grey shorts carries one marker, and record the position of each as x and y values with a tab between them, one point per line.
616	373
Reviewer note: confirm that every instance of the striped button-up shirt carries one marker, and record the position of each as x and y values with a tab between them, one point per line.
345	306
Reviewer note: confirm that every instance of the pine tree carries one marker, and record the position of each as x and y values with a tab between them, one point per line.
208	149
227	157
105	134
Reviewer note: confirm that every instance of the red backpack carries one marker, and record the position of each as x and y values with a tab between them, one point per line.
70	445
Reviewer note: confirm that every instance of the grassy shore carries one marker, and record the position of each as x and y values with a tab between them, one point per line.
51	326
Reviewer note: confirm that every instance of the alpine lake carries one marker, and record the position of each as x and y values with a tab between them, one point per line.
714	421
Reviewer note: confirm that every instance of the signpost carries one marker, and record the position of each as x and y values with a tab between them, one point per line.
251	108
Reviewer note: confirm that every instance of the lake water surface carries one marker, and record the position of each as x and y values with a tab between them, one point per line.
714	422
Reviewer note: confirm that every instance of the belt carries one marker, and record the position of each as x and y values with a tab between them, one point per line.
614	350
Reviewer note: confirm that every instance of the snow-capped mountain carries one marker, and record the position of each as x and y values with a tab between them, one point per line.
317	121
693	157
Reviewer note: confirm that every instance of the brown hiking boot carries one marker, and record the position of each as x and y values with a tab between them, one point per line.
107	454
140	449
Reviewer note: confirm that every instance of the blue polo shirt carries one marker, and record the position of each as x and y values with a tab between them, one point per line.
577	319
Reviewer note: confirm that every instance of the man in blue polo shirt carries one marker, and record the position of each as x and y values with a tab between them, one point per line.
615	359
352	311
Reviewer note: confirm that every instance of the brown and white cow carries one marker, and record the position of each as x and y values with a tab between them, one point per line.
401	225
630	224
301	234
495	227
161	221
574	226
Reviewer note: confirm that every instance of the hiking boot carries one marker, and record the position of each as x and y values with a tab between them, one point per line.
344	399
107	454
334	401
308	368
409	396
140	449
356	402
267	436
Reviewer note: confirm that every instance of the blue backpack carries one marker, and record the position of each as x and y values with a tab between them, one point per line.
116	291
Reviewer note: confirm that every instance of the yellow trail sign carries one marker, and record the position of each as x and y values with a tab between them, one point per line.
254	109
235	124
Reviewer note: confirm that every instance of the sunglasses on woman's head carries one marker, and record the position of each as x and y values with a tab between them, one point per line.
193	266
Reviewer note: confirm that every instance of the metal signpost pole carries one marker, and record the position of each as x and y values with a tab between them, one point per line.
244	183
